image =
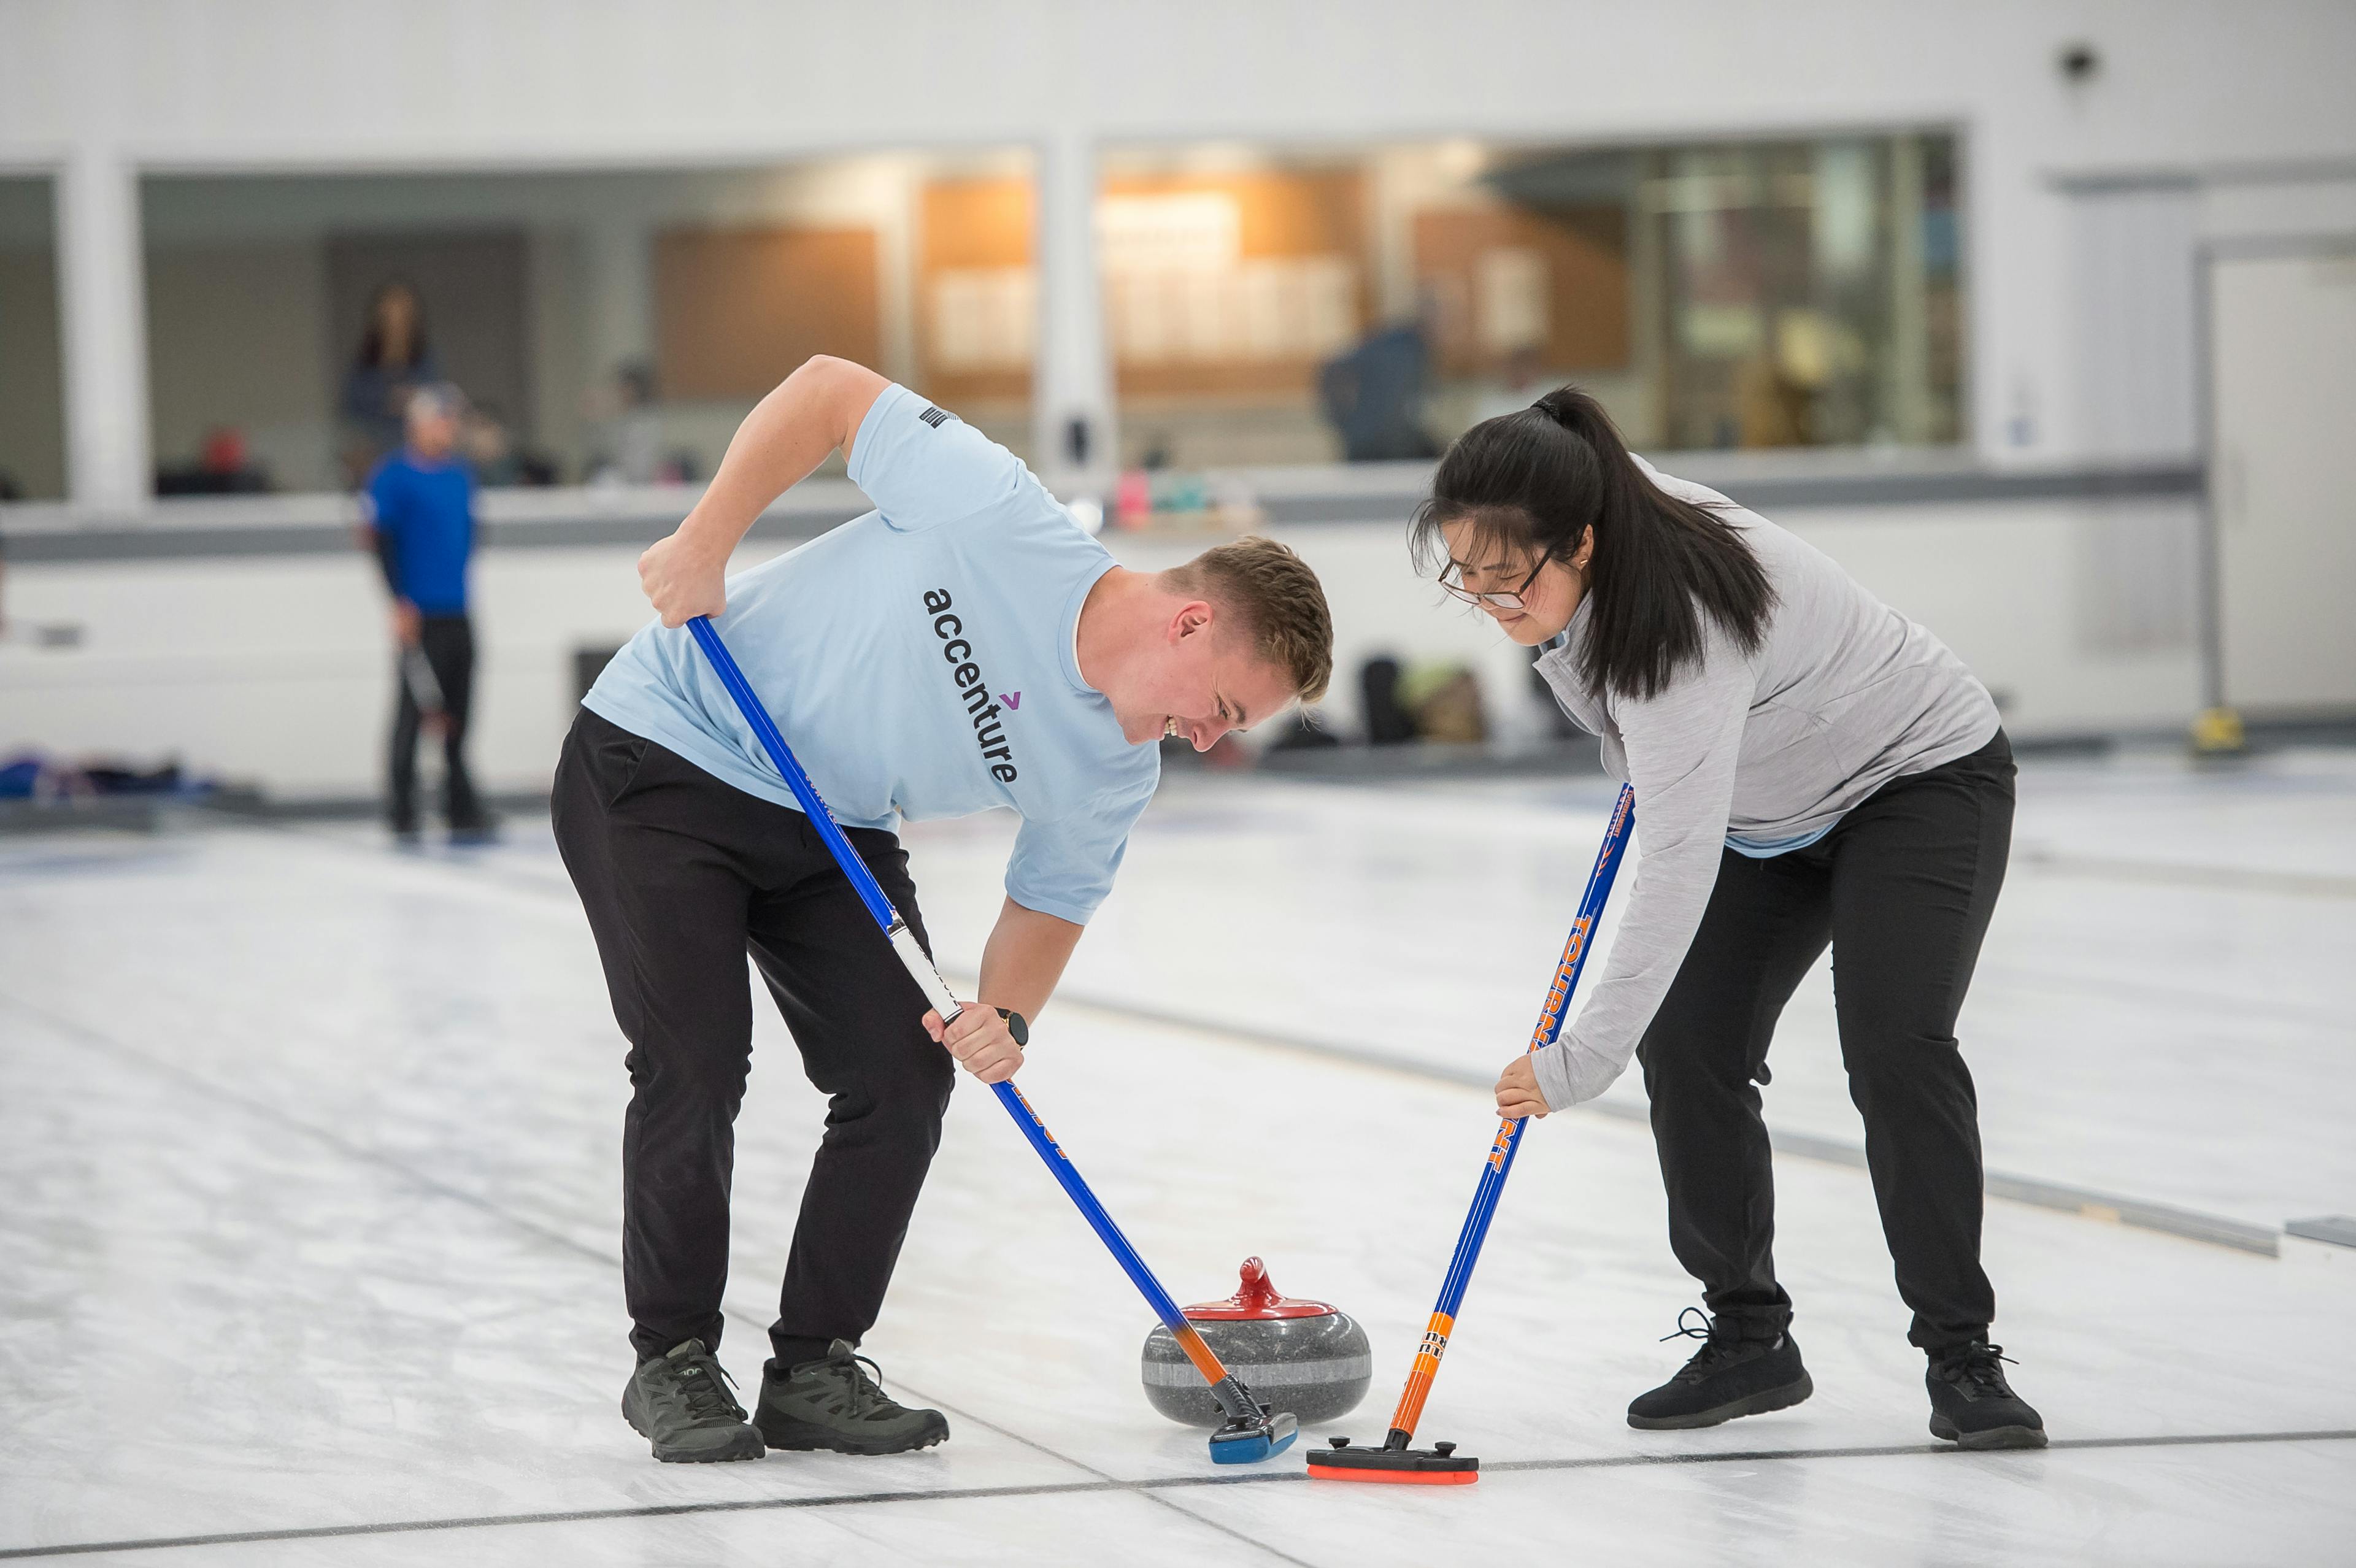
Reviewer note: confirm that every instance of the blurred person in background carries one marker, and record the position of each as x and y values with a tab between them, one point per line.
497	455
420	505
1373	395
395	359
488	447
225	465
1812	769
629	427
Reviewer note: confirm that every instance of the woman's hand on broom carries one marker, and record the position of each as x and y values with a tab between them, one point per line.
1517	1091
981	1040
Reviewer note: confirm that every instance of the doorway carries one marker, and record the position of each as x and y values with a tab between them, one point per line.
2282	390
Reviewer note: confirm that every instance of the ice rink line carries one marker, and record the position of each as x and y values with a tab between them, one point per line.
1145	1487
2087	1204
2247	878
439	1189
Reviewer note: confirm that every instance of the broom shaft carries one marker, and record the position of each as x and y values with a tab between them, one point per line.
1507	1141
927	977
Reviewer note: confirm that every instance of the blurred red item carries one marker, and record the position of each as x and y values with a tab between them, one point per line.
224	450
1133	502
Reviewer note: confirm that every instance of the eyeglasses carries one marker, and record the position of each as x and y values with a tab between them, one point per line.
1453	579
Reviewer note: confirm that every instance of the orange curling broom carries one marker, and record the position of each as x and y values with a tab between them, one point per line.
1441	1465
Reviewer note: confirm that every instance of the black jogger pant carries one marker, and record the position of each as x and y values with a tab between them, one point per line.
681	876
1903	890
448	643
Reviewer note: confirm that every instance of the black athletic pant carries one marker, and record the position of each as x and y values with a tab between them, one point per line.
1903	890
448	643
681	876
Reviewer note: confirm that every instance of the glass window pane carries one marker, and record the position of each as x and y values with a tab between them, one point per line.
1228	279
606	326
1267	306
32	381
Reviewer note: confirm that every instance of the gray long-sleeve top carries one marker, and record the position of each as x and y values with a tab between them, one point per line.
1844	694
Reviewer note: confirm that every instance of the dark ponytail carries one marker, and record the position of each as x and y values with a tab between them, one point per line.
1536	481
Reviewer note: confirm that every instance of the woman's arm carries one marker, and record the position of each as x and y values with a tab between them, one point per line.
1682	746
789	434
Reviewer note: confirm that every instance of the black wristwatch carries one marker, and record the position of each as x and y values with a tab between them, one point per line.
1015	1026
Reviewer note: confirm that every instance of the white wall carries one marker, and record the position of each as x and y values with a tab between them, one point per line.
89	84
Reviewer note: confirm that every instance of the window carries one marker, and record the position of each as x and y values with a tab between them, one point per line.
1264	306
32	382
606	326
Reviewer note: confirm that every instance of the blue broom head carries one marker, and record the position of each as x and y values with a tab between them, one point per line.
1249	1442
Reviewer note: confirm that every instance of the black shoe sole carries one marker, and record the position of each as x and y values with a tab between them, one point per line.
745	1444
1759	1403
1994	1437
808	1437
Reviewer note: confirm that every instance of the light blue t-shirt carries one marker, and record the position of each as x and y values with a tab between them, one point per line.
1768	848
920	661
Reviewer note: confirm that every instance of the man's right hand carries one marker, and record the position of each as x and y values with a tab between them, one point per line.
683	581
407	624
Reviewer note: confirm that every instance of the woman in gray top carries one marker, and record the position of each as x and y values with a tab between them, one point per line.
1811	768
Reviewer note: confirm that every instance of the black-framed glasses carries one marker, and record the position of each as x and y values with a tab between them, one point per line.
1453	579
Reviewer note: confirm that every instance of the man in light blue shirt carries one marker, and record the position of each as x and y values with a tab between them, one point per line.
964	645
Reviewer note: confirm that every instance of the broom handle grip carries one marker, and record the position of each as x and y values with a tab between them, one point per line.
1508	1140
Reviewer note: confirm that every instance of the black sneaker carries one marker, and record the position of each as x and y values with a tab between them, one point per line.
1729	1376
833	1404
681	1403
1971	1404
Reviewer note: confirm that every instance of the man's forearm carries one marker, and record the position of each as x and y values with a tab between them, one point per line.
784	438
1025	958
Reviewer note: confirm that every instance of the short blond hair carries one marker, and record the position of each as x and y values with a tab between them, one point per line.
1278	601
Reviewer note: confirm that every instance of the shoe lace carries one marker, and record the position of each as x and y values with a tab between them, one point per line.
704	1397
863	1392
1979	1370
1716	1343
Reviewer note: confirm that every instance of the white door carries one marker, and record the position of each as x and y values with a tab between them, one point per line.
2283	337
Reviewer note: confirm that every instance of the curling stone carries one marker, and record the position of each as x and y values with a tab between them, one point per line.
1304	1357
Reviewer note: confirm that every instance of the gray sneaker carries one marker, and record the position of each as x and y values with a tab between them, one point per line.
833	1404
681	1403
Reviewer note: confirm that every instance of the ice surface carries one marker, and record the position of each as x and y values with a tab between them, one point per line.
308	1149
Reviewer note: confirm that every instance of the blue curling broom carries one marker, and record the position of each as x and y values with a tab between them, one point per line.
1251	1433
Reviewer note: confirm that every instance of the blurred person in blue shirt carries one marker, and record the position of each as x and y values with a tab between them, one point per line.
420	504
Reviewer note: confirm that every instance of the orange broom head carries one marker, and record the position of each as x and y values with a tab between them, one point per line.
1438	1466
